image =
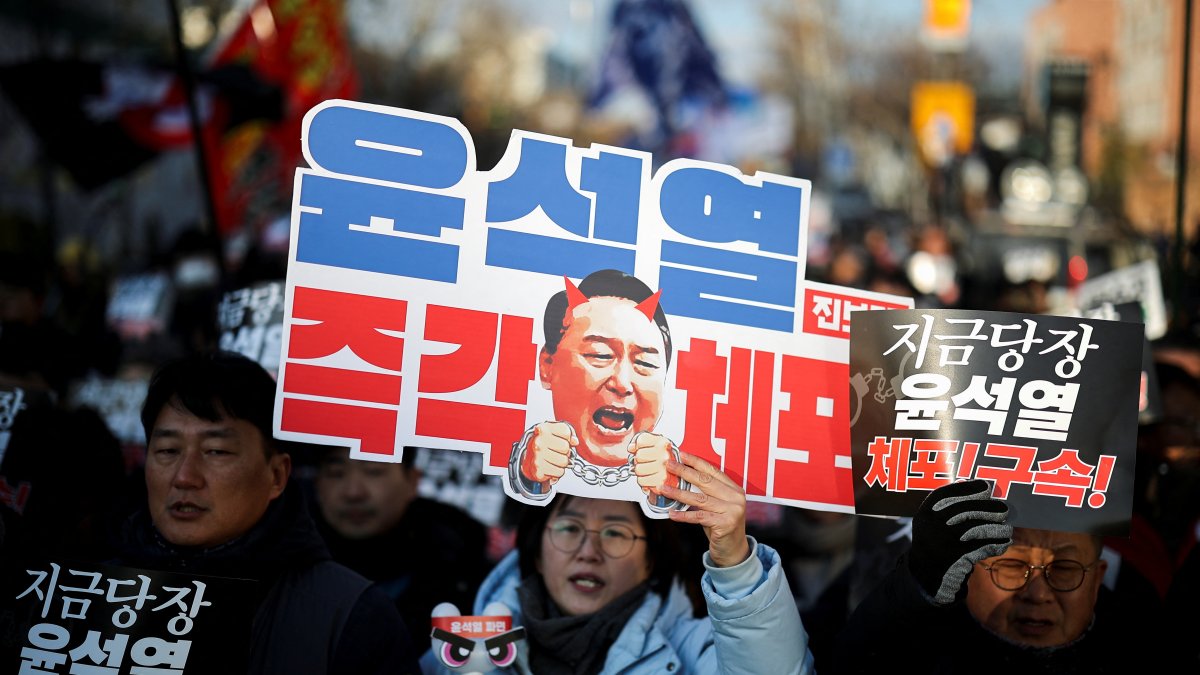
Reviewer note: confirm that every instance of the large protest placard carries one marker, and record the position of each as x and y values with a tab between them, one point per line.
88	618
1043	407
571	314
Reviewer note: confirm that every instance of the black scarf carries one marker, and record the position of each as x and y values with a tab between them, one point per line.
571	645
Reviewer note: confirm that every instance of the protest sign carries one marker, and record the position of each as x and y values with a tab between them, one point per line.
12	401
118	401
571	314
457	478
140	305
1139	283
1149	399
1043	407
98	618
250	321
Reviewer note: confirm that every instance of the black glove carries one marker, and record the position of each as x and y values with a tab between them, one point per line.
957	526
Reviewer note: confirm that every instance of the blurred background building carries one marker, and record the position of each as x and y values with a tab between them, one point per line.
960	151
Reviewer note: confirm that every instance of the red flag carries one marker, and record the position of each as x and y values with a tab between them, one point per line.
299	46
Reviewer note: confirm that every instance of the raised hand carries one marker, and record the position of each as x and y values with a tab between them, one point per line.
719	507
957	526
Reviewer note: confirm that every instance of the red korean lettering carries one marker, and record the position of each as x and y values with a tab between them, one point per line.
733	415
1021	470
702	375
879	450
818	422
966	460
932	465
347	320
475	333
495	425
517	353
1064	475
349	385
374	428
758	461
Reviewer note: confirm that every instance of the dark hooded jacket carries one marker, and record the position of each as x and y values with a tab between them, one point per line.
313	615
896	625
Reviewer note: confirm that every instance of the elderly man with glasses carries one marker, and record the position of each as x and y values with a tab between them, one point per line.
974	595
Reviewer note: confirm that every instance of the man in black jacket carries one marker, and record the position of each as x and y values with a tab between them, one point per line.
973	595
374	523
218	503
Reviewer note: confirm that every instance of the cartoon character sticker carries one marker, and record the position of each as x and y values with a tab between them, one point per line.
475	644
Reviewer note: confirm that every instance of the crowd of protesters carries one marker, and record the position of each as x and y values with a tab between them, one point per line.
351	561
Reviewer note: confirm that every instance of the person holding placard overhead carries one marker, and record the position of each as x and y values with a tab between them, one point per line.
593	584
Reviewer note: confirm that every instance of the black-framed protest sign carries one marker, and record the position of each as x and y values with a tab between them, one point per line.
1140	283
457	478
12	402
573	309
140	305
1043	407
118	401
250	322
94	618
1150	407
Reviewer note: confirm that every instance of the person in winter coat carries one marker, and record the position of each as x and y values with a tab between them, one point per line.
218	504
593	585
976	595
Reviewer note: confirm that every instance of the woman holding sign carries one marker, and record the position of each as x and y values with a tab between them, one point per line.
593	586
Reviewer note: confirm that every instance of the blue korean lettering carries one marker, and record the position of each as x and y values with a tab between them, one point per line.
716	207
549	255
326	238
617	182
757	279
540	180
388	147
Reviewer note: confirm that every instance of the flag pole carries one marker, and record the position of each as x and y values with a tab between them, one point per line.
189	89
1181	166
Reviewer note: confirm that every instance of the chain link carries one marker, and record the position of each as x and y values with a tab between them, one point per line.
593	475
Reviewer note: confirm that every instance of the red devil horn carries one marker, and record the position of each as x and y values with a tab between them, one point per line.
650	305
575	297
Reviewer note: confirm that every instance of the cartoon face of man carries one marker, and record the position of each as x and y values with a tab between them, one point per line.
606	377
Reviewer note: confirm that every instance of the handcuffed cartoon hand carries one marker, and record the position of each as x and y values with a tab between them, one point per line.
650	455
548	452
720	507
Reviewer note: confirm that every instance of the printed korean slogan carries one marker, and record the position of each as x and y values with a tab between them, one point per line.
572	314
86	618
250	321
1043	407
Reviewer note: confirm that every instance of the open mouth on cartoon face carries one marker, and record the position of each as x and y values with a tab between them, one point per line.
613	420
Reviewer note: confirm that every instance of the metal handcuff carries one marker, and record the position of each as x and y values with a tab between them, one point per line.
609	476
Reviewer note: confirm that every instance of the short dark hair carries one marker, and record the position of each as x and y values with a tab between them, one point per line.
607	284
214	386
663	548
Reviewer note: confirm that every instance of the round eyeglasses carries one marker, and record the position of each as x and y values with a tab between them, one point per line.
616	540
1010	574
